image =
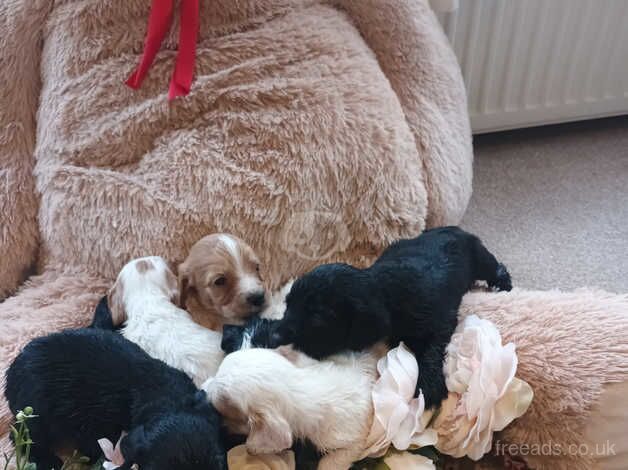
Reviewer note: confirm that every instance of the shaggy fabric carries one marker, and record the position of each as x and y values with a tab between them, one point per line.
296	119
431	99
571	348
20	55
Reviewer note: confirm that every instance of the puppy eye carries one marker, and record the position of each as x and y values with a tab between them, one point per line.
220	281
257	267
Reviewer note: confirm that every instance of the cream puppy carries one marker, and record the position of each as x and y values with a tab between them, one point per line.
221	277
143	300
278	396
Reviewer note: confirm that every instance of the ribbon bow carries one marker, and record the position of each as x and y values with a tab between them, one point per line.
158	25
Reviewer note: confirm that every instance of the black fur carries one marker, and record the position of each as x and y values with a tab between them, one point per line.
102	317
258	330
410	294
88	384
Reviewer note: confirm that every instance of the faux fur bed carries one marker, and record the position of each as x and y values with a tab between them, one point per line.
316	130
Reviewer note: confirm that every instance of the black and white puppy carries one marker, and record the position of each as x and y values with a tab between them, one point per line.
89	384
256	333
410	294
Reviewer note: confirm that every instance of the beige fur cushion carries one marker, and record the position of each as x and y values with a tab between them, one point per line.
572	349
303	114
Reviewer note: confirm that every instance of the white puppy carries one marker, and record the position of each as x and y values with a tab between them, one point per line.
277	396
143	299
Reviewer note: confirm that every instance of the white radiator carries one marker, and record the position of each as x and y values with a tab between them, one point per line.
532	62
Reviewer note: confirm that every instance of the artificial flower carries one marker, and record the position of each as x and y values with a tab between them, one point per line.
408	461
238	458
399	418
113	454
485	396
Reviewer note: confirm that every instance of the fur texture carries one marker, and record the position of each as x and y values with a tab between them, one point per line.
258	330
142	301
88	384
256	333
571	348
277	397
410	294
223	274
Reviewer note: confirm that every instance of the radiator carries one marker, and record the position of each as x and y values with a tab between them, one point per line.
533	62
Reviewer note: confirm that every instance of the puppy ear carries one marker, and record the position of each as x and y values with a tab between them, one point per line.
173	288
270	434
115	301
184	284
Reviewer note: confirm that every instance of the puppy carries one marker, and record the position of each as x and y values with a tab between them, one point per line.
221	276
279	397
89	384
258	331
410	294
142	300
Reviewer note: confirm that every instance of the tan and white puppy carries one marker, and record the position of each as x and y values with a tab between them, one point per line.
143	300
222	275
277	396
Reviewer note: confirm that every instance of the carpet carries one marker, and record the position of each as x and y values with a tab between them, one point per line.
552	203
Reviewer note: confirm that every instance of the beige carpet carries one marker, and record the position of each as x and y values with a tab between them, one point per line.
552	203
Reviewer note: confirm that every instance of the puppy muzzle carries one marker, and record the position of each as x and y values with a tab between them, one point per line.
281	337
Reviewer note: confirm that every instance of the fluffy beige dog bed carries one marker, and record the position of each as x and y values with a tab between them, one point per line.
345	117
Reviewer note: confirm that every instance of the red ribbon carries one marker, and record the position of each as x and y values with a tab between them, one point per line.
158	25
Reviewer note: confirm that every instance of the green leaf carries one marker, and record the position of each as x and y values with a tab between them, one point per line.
97	465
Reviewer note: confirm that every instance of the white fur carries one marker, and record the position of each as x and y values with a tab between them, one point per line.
248	283
161	328
276	304
231	245
277	396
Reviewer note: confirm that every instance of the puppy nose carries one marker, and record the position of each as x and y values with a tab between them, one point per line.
279	337
256	299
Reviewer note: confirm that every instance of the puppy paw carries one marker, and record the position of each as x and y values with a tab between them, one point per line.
433	389
502	279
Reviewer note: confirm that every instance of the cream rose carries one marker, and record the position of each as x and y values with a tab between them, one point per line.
399	418
485	396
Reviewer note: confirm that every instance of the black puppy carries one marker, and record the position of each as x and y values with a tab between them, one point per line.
88	384
256	333
410	294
